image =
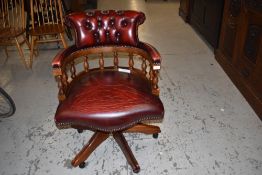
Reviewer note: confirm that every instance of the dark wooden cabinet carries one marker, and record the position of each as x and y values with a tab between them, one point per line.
205	17
234	29
240	48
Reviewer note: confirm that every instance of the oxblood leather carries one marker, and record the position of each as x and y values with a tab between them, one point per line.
105	27
109	101
154	54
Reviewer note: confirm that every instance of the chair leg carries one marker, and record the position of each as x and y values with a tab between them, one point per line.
26	41
6	51
63	40
21	53
33	40
121	141
93	143
29	47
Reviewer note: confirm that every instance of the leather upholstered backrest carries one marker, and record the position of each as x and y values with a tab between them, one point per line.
98	28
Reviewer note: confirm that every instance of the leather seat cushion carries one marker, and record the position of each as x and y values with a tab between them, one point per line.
109	101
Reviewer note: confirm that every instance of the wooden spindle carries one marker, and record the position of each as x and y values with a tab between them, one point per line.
42	12
73	70
155	83
56	15
131	61
51	11
32	13
61	92
101	61
21	4
60	9
37	12
144	66
3	13
116	60
8	16
47	11
11	20
86	64
64	79
17	21
151	74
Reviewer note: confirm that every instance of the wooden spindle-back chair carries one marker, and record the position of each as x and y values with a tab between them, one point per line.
47	22
12	26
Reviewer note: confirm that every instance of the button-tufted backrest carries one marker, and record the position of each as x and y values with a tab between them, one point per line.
105	27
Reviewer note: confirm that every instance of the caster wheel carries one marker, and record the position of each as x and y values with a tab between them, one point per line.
79	130
136	169
155	136
82	165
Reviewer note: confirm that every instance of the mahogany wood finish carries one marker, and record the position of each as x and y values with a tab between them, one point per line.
92	144
109	99
12	27
144	128
240	48
122	143
47	20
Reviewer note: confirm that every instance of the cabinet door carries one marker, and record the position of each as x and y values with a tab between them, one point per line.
249	59
206	18
197	13
230	23
212	21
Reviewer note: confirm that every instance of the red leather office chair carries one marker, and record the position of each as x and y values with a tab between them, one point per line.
112	99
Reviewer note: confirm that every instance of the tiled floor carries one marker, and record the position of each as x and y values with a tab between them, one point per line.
209	128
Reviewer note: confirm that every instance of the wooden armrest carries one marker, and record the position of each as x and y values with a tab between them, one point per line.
59	58
153	53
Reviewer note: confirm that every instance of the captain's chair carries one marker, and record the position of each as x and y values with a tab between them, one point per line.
108	81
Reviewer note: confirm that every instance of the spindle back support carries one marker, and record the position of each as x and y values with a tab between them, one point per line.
46	12
12	14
